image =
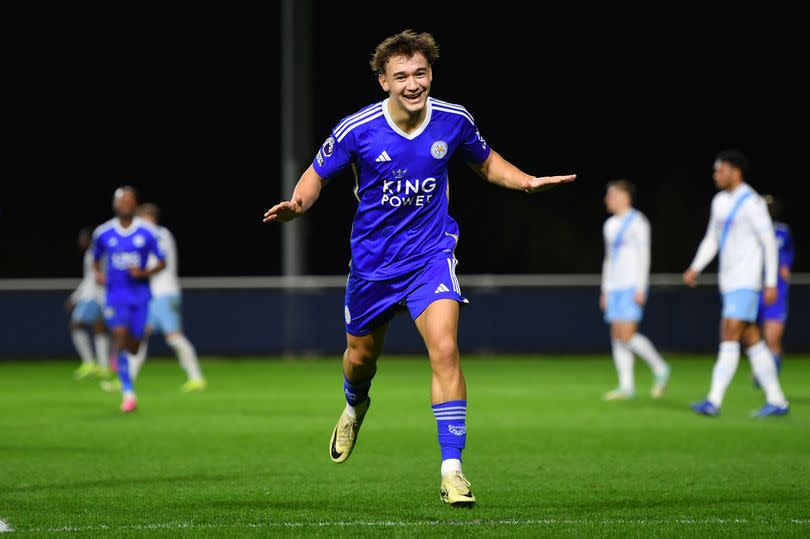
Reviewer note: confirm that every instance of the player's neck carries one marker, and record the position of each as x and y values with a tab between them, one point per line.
734	186
621	212
125	222
404	119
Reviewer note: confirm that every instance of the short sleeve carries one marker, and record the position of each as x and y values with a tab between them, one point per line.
473	148
333	156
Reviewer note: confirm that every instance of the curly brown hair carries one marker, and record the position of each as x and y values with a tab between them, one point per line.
406	43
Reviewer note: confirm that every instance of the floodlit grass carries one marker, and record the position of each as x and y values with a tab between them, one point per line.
546	457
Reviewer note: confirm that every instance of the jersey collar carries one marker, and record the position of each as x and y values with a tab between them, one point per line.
400	132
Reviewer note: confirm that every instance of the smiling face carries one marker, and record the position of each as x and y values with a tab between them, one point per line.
407	80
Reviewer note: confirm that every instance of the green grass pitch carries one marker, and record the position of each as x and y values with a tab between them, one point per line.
546	457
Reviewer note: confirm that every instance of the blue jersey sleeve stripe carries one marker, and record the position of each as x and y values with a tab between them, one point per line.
349	128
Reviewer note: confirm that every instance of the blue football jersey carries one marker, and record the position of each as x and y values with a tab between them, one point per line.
401	184
784	240
126	248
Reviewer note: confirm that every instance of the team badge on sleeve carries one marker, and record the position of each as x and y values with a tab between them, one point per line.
329	147
439	149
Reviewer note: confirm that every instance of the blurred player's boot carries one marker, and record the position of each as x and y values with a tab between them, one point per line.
194	385
771	409
104	373
85	370
660	383
705	407
618	395
111	385
345	434
129	404
455	490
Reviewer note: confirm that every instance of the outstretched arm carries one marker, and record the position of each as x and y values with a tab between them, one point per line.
495	169
306	192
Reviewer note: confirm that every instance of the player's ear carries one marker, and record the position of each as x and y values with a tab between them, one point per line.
383	82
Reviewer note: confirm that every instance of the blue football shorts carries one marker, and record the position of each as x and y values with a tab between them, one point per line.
130	315
370	304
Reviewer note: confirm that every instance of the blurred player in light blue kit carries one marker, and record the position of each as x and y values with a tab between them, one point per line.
772	318
165	307
84	305
625	279
403	239
125	243
741	231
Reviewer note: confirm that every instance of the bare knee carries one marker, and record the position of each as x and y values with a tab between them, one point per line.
444	353
360	354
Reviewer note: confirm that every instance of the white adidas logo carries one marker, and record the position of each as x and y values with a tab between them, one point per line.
441	288
383	157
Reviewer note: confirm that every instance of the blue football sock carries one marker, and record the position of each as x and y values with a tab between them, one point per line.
356	392
451	421
123	372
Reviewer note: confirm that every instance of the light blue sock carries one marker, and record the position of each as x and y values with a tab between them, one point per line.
451	421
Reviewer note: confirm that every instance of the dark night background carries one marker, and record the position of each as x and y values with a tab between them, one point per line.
183	103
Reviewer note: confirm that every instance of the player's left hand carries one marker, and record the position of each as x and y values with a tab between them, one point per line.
640	297
769	295
283	211
547	182
138	273
784	272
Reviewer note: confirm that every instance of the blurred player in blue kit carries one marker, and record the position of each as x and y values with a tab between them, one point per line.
125	243
772	318
403	239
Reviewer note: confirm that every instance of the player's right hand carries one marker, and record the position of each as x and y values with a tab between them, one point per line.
602	302
690	278
283	212
101	279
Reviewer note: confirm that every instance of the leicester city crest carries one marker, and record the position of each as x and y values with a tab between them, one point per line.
439	149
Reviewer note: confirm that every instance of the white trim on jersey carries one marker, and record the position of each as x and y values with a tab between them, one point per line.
133	226
371	114
452	109
355	116
400	132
